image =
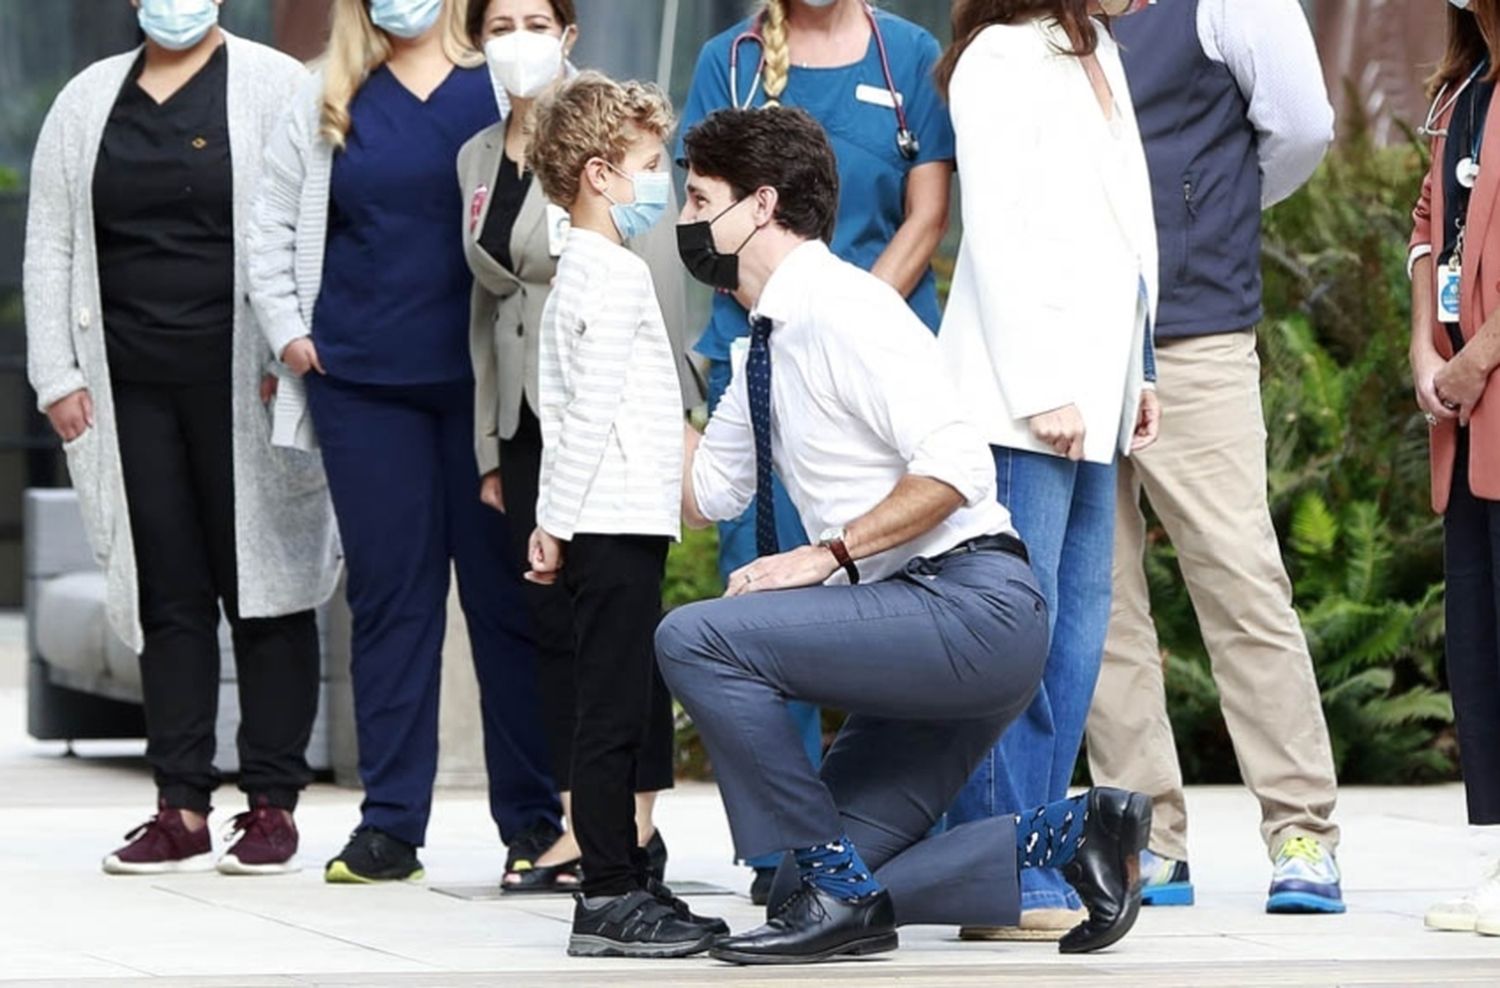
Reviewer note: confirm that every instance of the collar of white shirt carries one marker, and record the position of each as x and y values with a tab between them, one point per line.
788	285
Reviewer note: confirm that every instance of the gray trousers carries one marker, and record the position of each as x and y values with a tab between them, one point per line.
931	665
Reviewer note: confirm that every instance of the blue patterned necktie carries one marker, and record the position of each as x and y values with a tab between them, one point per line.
758	377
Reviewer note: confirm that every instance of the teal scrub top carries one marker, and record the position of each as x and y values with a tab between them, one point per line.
872	172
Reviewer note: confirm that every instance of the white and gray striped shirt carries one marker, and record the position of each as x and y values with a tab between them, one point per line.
611	407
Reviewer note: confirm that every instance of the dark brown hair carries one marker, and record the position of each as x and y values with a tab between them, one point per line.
1472	35
563	10
777	147
972	16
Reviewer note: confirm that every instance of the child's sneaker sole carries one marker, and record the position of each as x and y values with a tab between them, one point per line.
587	945
339	873
185	866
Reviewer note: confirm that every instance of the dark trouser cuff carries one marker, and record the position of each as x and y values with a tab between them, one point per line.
180	797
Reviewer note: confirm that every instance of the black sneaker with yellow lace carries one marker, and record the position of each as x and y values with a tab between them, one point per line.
374	856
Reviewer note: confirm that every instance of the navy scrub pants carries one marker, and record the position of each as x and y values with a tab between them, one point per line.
405	486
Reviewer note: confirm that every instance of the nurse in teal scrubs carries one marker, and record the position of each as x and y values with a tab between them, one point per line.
866	76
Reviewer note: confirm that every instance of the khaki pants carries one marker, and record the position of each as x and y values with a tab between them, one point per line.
1206	479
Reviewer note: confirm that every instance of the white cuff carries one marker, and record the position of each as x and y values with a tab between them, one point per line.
1417	253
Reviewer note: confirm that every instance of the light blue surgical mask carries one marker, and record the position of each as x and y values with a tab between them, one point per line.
653	190
820	3
405	18
177	24
1460	4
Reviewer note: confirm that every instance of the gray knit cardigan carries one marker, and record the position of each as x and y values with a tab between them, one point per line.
285	537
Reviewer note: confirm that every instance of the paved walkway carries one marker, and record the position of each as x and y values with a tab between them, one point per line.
64	922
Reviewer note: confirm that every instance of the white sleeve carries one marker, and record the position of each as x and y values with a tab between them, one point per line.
1015	205
272	241
891	378
724	466
1268	47
597	372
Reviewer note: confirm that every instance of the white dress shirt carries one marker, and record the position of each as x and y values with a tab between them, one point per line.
859	400
611	404
1269	49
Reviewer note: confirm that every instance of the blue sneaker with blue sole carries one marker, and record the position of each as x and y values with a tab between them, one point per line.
1306	879
1165	881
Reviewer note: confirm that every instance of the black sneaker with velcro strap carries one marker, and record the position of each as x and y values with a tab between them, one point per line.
635	925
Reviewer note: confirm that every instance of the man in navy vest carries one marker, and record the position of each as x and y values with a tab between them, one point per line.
1235	117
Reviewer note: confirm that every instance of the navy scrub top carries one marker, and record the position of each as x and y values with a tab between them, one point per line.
872	173
394	304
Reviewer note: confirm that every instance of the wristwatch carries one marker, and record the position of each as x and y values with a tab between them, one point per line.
832	539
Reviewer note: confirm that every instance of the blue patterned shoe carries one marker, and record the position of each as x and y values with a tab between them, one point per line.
1306	879
1167	882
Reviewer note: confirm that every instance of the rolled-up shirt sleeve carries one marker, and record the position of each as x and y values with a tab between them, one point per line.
920	418
723	471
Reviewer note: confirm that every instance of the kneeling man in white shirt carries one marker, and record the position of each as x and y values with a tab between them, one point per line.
916	612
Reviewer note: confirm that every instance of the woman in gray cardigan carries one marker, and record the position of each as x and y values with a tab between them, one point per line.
512	239
145	357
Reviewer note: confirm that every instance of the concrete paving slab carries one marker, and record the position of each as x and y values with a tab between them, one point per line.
66	923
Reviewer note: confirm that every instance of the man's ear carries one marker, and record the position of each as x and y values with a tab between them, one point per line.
766	201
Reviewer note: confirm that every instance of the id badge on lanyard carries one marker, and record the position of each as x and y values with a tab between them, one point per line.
1450	275
1448	281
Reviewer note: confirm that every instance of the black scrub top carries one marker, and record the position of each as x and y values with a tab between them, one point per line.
164	228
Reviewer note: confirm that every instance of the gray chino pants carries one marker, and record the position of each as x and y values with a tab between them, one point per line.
931	665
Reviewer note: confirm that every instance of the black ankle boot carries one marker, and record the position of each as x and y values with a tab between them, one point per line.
1107	869
814	926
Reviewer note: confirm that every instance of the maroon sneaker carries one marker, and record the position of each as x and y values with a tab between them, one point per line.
266	845
163	845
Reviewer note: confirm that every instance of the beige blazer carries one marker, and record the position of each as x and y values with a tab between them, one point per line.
506	310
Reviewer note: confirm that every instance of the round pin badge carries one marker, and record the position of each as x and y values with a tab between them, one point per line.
1468	172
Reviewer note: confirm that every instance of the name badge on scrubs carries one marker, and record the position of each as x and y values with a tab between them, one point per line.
1447	292
878	96
558	225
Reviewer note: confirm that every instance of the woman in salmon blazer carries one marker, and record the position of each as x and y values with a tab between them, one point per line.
1455	348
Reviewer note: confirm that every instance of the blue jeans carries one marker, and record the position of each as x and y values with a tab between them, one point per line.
1065	512
736	548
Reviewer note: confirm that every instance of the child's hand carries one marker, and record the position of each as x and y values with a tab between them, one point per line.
546	555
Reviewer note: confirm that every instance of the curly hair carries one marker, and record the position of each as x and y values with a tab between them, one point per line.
591	116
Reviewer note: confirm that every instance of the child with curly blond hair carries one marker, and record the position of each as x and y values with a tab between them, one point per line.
610	493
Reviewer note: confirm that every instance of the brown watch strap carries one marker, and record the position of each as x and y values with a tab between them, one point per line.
841	555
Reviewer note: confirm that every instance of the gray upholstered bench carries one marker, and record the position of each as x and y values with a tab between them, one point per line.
83	682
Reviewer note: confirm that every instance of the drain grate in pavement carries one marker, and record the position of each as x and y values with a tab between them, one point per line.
491	891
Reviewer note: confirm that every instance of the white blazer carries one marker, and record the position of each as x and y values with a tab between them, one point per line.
1055	289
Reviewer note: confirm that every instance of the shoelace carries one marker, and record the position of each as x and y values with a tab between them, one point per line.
1303	848
242	823
141	831
804	894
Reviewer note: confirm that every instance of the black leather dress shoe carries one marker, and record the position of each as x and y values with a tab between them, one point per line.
814	926
1107	869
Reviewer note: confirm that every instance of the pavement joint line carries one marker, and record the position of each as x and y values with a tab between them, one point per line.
115	963
288	924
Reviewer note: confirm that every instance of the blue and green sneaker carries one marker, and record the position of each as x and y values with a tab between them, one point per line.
1166	881
1305	880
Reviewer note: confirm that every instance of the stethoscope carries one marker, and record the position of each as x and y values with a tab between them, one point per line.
906	141
1441	106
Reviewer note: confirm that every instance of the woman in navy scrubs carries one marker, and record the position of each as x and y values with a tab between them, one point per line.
866	76
360	280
